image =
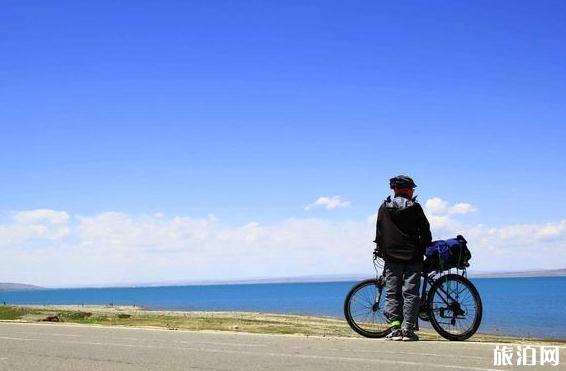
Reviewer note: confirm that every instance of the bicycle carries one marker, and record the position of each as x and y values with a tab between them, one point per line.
452	304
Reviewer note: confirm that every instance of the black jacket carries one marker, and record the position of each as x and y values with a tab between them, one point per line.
402	230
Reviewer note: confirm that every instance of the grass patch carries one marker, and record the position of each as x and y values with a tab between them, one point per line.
8	312
80	317
259	323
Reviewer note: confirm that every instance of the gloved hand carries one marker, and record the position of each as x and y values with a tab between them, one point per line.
378	252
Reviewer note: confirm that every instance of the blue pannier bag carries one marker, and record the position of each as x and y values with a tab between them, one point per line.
446	254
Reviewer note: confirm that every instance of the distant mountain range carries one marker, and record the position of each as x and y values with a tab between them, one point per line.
296	279
532	273
300	279
349	277
358	277
7	286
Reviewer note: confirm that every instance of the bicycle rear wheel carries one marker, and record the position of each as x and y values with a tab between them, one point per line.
455	307
363	309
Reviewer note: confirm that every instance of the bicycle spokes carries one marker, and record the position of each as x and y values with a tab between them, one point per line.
454	306
364	309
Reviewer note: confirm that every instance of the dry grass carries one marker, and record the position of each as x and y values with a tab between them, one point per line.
250	322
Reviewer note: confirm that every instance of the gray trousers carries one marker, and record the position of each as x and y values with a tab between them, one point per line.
402	282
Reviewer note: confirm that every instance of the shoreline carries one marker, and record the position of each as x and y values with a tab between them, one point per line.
232	321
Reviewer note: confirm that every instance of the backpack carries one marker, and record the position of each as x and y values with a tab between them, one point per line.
446	254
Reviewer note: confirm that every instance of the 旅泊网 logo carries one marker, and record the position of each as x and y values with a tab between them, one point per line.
526	355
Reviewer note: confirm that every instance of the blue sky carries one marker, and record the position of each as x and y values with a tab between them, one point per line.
250	110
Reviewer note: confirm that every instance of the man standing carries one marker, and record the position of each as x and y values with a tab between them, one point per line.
402	233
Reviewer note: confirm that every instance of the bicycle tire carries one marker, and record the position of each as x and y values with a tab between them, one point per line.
478	308
348	314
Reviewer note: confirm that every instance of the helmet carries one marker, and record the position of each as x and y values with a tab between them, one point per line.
401	181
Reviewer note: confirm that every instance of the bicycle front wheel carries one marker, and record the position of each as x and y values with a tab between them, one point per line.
455	307
364	307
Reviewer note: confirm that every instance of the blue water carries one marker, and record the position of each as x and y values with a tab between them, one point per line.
512	306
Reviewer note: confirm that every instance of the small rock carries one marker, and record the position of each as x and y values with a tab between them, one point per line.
54	318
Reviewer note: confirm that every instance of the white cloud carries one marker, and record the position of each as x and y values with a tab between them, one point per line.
437	206
41	215
329	203
41	224
111	247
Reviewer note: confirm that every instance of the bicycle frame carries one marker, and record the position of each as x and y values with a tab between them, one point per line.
428	280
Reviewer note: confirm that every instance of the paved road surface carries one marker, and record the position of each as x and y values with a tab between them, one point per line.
73	347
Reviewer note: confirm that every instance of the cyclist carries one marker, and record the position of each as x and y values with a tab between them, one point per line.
402	233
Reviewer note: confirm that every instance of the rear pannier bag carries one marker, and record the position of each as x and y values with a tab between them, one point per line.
446	254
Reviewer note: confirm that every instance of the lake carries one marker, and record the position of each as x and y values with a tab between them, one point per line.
511	306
